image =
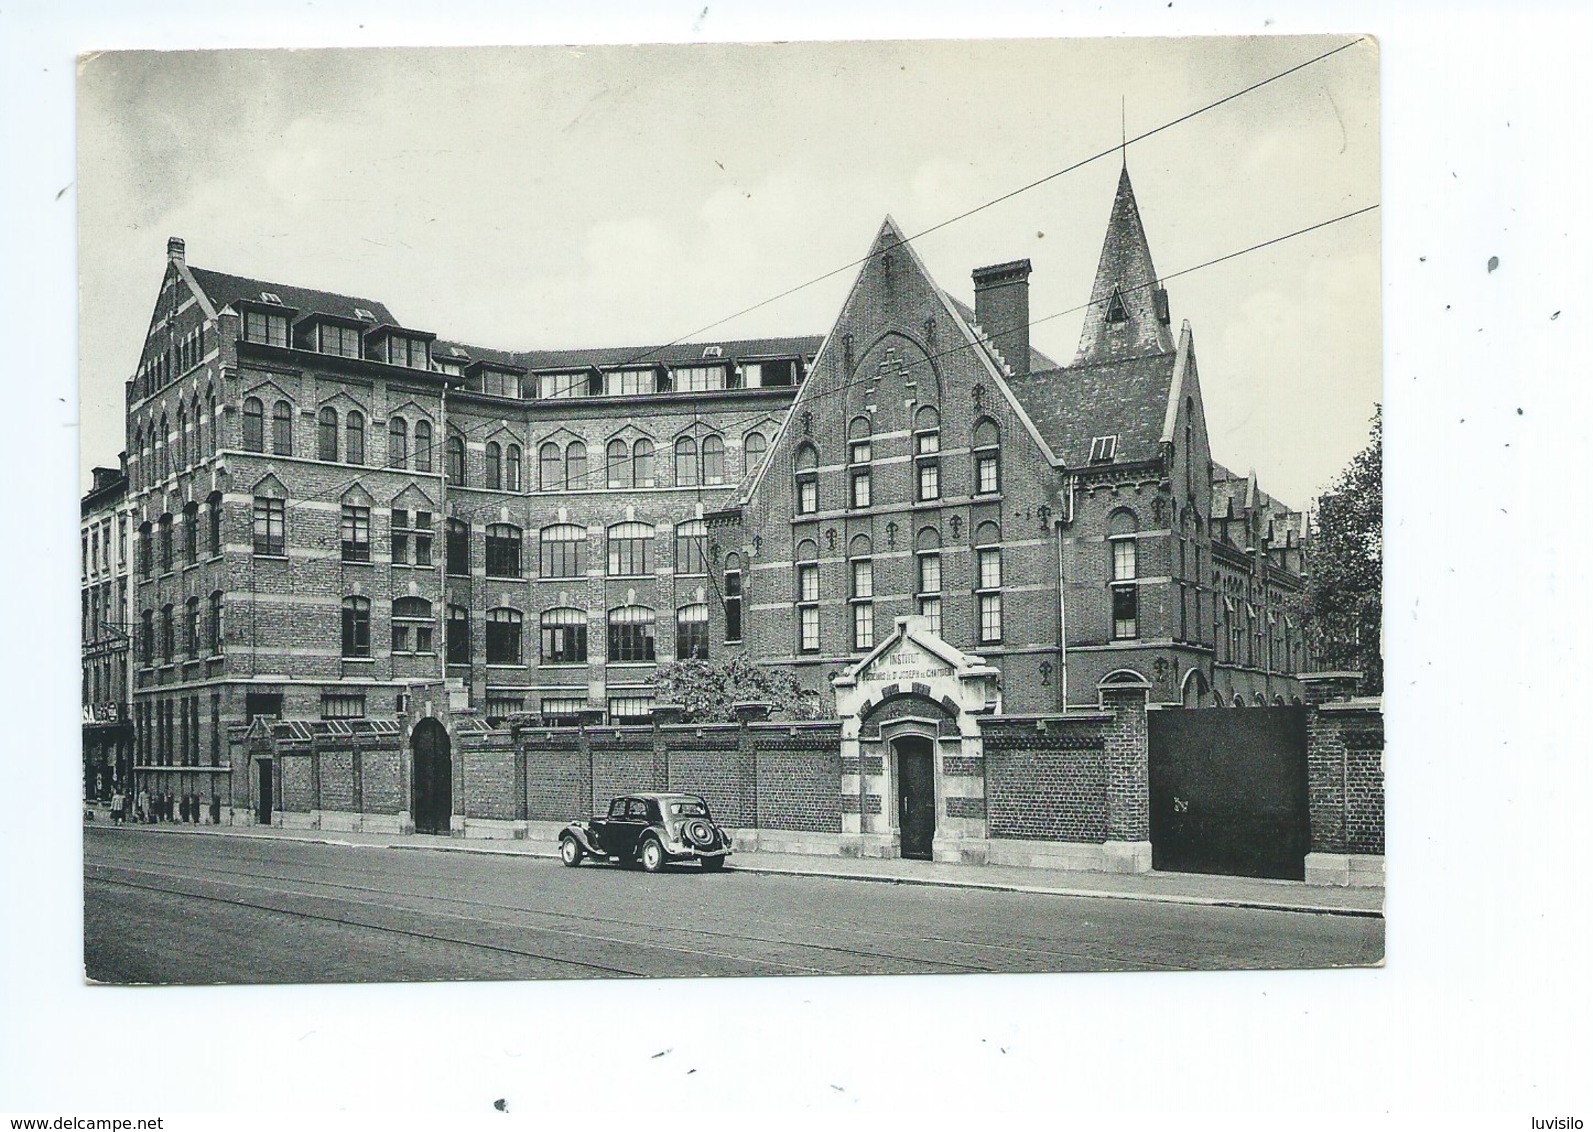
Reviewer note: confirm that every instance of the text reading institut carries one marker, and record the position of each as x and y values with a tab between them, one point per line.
325	507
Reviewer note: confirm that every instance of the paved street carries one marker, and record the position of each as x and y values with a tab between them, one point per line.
200	909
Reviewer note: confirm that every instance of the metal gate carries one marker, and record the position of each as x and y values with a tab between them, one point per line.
1228	791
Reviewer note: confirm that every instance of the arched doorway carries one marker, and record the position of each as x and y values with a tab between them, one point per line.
434	777
915	795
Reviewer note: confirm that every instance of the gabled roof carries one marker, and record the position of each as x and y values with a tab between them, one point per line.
1122	319
223	290
1074	404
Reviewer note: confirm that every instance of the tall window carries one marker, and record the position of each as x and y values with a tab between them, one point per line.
494	465
713	461
191	629
165	544
457	548
456	461
807	480
575	466
458	635
412	625
755	447
691	632
860	453
146	638
182	436
987	584
807	596
423	446
630	634
1125	572
411	537
511	468
926	454
201	434
617	464
356	533
563	636
550	468
355	437
642	463
326	435
862	603
685	462
503	636
691	547
253	425
356	627
503	551
397	443
563	553
162	453
282	429
987	458
146	550
191	533
213	629
732	598
630	549
929	583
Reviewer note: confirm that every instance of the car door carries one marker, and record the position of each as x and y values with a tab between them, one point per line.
625	827
606	830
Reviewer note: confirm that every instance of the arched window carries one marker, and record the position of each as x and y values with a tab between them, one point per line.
630	549
987	582
282	429
423	446
141	456
146	638
926	453
213	630
987	457
807	480
713	461
456	548
146	549
215	523
732	595
575	466
550	468
356	627
397	442
503	551
494	461
642	463
754	448
563	636
191	629
563	551
511	475
691	547
253	425
685	462
926	547
861	561
182	436
456	461
630	634
356	437
412	625
617	464
168	634
210	411
200	451
691	632
458	634
807	596
191	533
1122	532
326	435
503	636
162	449
165	544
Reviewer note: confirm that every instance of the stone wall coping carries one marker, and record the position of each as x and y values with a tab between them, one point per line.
1085	716
795	724
693	727
1360	704
1328	675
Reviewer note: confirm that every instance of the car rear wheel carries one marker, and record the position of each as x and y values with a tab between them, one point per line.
652	855
712	864
570	851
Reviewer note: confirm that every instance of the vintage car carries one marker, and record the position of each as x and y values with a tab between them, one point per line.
654	829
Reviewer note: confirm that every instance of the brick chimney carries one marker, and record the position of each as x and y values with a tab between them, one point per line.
174	249
1001	307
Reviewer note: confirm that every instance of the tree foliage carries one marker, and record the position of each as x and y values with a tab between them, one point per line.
1343	606
709	692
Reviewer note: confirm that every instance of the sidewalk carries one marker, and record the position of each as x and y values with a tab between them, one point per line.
1166	888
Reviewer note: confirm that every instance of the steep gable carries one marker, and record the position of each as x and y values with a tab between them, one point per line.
1127	315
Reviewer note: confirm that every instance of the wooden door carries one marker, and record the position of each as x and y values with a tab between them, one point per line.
915	797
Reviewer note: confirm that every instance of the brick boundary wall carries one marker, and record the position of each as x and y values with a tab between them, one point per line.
1045	778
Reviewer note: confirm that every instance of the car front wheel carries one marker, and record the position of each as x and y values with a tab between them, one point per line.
570	851
652	855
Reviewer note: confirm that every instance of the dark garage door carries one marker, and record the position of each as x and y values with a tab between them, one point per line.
1228	791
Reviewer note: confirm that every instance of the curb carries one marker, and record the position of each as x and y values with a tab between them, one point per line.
775	870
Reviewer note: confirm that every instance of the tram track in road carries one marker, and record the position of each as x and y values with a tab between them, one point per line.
993	957
758	965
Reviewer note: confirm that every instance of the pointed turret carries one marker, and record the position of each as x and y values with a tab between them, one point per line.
1128	315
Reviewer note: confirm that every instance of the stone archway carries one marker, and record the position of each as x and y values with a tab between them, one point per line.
434	795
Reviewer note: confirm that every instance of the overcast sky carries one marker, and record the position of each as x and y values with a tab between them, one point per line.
553	197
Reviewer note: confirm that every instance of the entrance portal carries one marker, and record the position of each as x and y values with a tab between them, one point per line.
262	811
915	796
434	777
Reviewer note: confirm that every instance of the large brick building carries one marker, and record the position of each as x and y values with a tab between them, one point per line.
103	581
329	507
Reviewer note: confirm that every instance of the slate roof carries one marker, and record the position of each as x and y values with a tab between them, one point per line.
679	354
223	289
1037	360
1072	405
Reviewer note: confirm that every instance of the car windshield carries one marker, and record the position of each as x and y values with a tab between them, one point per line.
690	808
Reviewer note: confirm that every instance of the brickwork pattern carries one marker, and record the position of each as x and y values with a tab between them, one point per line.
961	766
907	706
1127	757
965	807
620	766
337	779
868	764
798	788
488	772
713	774
298	794
383	780
558	784
849	804
1046	786
1344	764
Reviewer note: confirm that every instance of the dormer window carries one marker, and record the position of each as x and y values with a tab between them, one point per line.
698	379
364	315
271	297
409	352
628	382
713	351
559	385
1115	310
1103	449
261	326
339	341
457	352
500	384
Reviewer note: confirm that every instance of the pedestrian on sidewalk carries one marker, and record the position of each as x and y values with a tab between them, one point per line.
116	808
